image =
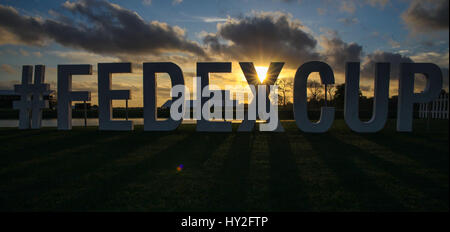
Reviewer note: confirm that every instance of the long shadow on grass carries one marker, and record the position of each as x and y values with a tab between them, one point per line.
425	155
286	189
8	135
339	157
230	193
26	149
426	186
83	149
193	149
71	166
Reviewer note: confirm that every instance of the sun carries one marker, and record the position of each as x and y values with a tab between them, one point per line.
262	72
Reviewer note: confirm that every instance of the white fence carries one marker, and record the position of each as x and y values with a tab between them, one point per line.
437	109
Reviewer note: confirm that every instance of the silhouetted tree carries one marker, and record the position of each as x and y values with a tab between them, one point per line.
284	87
331	89
315	91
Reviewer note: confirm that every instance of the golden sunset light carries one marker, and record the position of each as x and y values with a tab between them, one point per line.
262	72
218	115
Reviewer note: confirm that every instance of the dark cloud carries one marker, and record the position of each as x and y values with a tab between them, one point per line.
395	59
102	27
275	36
337	52
263	37
26	29
427	15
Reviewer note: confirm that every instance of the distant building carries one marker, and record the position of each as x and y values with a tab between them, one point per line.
7	97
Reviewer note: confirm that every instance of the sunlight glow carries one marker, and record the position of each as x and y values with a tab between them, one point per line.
262	72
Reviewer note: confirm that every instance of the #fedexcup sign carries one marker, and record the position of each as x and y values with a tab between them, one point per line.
263	104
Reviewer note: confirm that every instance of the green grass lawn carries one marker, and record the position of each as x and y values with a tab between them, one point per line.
86	169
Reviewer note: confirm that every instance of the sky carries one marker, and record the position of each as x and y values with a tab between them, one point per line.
185	32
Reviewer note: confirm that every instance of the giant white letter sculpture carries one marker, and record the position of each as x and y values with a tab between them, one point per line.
253	80
106	95
300	103
150	113
203	70
31	97
406	95
380	102
66	95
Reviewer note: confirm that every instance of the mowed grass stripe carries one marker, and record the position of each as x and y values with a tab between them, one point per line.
258	189
361	191
400	163
166	189
86	169
191	151
399	180
73	173
320	182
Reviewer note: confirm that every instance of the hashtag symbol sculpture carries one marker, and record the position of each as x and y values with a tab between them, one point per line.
31	100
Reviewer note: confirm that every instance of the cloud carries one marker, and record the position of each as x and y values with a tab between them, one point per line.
83	57
23	52
8	38
427	15
337	52
92	86
102	28
176	2
394	43
395	59
349	21
321	11
348	7
8	69
440	59
380	3
210	19
263	37
147	2
274	36
24	29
